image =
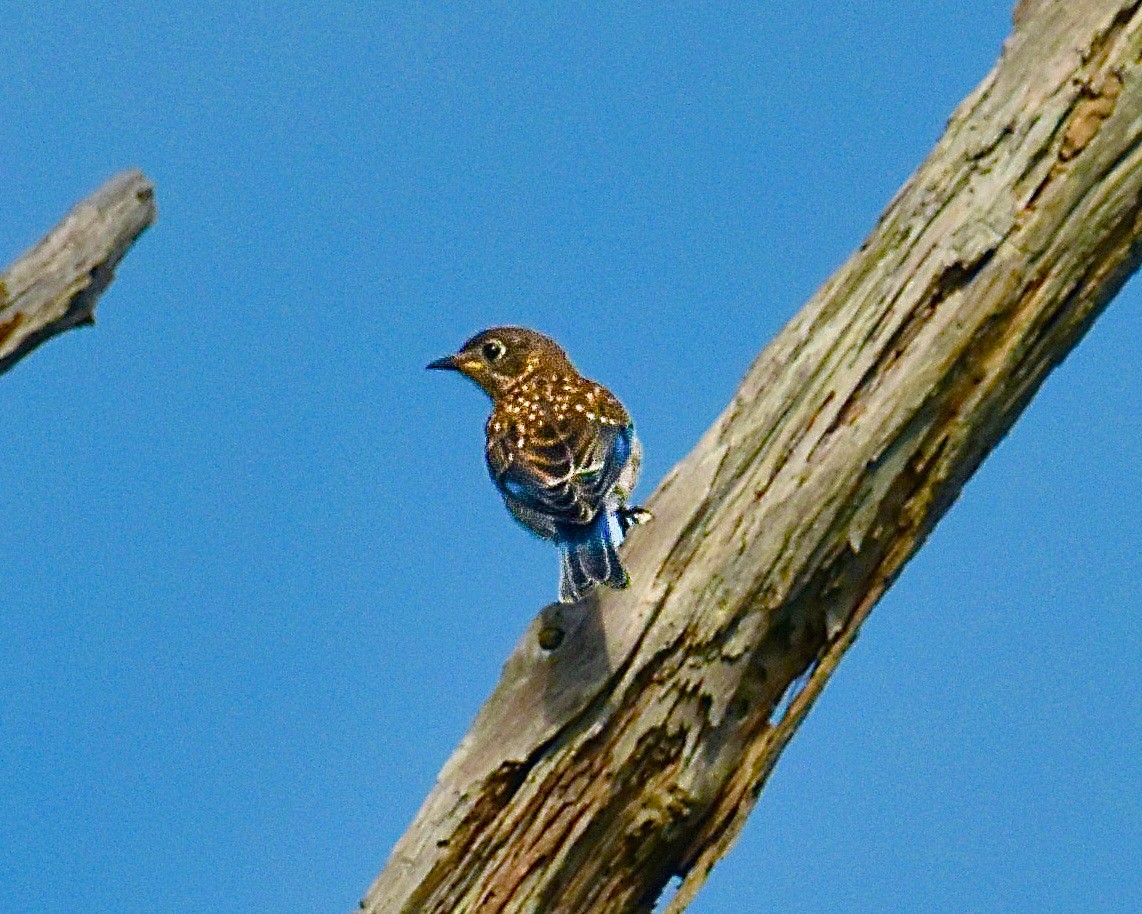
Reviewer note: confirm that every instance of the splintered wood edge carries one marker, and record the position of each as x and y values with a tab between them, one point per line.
898	378
55	286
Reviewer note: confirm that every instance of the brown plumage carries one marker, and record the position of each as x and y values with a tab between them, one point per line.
560	448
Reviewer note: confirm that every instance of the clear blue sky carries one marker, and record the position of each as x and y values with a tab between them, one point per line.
256	583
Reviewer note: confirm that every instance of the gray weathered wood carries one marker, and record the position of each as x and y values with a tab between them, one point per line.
56	284
632	747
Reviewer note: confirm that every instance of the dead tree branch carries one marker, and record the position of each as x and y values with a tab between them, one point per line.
630	735
56	284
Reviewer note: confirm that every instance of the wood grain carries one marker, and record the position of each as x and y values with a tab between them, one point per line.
55	285
632	748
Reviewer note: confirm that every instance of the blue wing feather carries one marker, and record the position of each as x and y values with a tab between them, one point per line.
576	497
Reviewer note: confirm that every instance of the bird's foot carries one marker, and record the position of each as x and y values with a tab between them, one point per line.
632	517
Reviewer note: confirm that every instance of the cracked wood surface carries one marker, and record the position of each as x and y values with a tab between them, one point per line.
55	285
630	735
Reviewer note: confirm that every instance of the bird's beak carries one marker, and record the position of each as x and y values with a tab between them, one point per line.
448	363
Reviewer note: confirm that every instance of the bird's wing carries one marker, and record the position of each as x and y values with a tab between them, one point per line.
564	472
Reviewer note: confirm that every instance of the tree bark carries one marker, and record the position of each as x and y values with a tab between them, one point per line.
631	734
56	284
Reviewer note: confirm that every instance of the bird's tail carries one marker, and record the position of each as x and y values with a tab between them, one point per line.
588	557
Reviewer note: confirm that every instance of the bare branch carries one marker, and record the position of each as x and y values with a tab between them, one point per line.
631	734
56	284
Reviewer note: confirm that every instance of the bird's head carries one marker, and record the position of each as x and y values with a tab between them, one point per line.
497	359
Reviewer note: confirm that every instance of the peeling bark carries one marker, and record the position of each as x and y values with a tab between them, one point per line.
55	285
631	734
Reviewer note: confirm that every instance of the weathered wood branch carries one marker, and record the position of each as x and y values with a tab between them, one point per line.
55	285
630	735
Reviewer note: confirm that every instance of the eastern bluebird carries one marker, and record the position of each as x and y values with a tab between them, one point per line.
561	450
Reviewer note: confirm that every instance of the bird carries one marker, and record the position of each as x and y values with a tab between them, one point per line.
561	450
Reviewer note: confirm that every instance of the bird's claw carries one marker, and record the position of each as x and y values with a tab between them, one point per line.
633	516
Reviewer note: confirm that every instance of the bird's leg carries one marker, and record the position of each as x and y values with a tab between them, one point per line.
632	516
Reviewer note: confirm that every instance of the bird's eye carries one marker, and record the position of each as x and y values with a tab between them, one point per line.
494	350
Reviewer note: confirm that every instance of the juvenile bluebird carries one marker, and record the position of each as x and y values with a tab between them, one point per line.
561	450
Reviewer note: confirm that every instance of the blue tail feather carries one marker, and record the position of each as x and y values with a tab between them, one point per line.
588	557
